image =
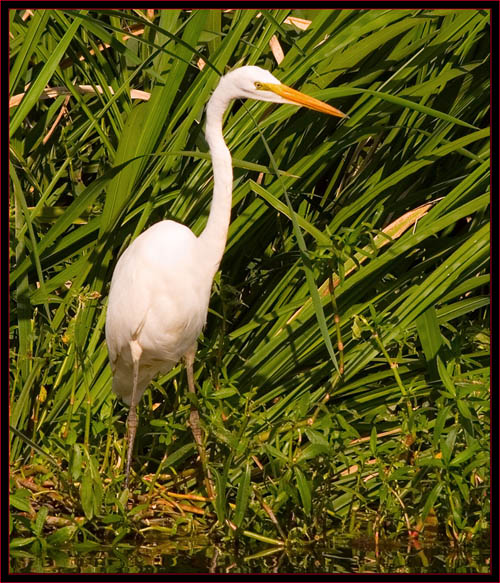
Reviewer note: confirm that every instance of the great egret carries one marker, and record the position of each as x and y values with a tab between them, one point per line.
160	289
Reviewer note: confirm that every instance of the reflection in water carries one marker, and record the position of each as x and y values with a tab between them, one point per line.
201	556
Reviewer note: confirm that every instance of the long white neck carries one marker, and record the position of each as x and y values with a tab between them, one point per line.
214	235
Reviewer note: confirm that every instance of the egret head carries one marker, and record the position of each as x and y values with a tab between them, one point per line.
252	82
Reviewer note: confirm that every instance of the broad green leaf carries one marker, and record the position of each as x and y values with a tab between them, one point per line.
220	500
430	337
312	451
431	500
41	517
18	542
62	535
20	500
86	494
304	488
242	496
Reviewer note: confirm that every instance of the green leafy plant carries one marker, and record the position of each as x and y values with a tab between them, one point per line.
343	373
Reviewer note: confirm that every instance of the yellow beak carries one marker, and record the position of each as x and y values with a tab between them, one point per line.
298	98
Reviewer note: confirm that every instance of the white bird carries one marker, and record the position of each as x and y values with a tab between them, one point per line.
160	289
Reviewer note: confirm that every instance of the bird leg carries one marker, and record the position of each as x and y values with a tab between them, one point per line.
194	421
136	351
132	427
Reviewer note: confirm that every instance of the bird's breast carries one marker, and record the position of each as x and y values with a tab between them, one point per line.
173	322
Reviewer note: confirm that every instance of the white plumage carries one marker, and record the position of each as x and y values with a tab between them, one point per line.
160	300
160	288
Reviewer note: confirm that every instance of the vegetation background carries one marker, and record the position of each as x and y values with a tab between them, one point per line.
344	371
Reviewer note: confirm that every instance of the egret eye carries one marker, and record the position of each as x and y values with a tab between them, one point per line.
258	85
